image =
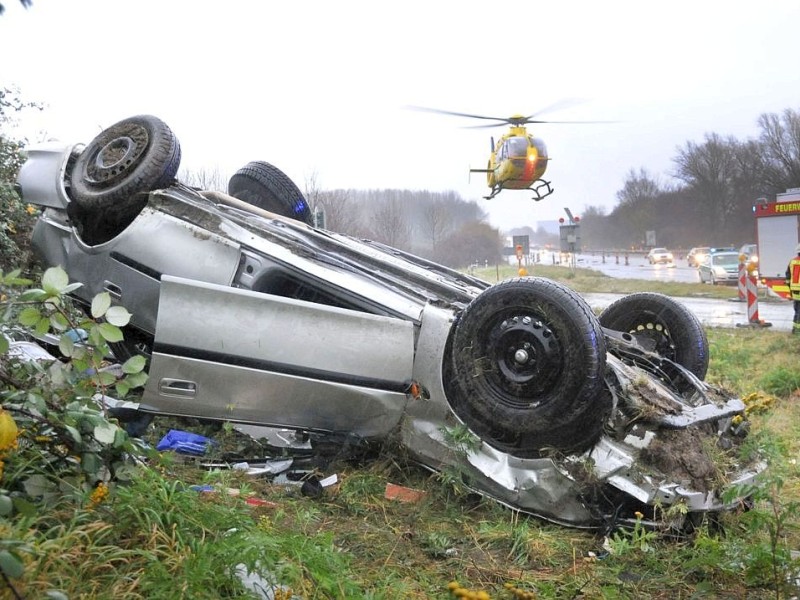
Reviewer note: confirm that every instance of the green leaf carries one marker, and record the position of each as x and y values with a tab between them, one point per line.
105	432
66	345
74	433
10	565
122	388
54	281
24	507
71	287
135	364
6	505
29	316
118	315
42	327
125	471
105	378
90	462
100	304
33	295
110	333
4	344
136	380
37	485
120	437
58	321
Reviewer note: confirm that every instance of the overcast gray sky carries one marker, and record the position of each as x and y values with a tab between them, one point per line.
318	88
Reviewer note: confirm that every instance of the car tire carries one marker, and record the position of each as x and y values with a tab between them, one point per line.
138	154
676	331
265	186
109	176
524	369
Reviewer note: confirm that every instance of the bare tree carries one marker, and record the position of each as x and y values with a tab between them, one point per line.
390	224
436	222
633	213
475	242
780	149
711	169
204	179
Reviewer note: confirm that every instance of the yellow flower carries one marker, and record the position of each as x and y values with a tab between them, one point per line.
99	494
8	431
30	209
639	516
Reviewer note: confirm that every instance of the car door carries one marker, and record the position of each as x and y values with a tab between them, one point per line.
234	354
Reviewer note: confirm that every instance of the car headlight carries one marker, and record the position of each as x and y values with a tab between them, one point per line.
720	271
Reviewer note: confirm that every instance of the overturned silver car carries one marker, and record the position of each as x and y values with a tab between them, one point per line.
251	315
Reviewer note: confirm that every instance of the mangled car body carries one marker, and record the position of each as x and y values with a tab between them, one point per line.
249	314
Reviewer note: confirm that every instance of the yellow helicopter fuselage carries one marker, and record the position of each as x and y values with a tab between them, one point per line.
517	161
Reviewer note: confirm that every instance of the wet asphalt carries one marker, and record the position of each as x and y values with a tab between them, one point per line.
772	313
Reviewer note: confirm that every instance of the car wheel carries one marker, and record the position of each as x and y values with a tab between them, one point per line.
676	331
524	368
265	186
136	155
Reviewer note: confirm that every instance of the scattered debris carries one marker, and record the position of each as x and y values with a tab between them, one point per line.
403	494
184	442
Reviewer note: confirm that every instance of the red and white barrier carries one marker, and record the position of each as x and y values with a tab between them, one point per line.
742	285
752	299
751	292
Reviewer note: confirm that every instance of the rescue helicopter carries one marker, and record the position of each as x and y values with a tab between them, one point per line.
518	160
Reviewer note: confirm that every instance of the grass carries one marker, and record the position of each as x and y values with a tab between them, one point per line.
158	538
585	280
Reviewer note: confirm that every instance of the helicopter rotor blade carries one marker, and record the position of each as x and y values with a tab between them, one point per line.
515	120
558	105
456	114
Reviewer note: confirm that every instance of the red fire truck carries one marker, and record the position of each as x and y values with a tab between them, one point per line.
777	235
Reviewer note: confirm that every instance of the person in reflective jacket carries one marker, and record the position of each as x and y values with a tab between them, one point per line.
793	281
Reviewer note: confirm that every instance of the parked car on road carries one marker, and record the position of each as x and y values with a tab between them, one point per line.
697	255
660	255
253	316
720	267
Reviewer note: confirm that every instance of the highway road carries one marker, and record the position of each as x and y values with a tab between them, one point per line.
637	267
711	312
719	313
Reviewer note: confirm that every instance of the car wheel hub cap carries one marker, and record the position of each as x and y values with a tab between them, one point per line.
113	161
527	356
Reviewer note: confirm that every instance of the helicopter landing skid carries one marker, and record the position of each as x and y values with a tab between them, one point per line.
540	188
541	185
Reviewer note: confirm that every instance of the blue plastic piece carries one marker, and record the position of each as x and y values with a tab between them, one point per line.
184	442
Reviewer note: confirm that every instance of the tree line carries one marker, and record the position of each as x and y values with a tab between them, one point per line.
710	198
708	201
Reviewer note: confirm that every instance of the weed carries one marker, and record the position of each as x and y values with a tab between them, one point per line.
783	380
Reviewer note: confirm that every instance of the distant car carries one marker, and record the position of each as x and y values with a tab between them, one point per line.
697	255
660	255
720	267
248	314
750	252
